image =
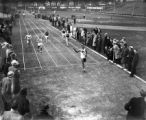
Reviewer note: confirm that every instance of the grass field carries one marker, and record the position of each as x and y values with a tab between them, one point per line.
55	77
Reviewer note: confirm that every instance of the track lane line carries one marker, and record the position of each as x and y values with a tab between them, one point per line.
63	45
33	46
44	48
53	44
73	45
20	30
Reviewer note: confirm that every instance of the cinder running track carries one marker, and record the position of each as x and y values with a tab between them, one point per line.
55	76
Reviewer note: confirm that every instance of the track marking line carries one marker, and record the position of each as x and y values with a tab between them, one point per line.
63	44
53	44
54	67
75	46
22	45
33	46
45	48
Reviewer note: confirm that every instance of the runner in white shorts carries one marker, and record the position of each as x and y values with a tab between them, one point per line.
46	35
83	55
28	37
63	33
40	44
67	38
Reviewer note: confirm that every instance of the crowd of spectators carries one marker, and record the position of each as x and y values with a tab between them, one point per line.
15	103
114	49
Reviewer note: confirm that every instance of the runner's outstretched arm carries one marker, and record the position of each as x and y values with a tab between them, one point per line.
76	50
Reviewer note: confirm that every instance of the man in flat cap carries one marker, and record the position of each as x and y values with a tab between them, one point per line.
136	107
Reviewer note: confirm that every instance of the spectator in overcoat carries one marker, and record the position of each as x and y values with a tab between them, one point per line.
136	107
116	52
106	42
6	90
94	44
134	63
125	52
130	57
23	102
99	42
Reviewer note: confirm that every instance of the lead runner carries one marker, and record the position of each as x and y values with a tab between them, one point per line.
83	55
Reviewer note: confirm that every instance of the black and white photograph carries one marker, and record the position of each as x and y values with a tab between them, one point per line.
72	59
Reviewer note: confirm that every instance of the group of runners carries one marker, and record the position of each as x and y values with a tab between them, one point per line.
39	41
66	35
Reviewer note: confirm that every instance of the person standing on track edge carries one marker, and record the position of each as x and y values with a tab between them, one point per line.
83	55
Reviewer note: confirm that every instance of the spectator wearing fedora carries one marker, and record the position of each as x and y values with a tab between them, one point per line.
136	107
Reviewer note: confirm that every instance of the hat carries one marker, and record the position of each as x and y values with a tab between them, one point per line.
14	62
114	41
4	44
105	33
143	93
10	73
23	91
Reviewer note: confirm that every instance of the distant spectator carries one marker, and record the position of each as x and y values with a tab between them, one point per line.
106	41
130	57
134	63
89	39
125	52
94	40
99	42
109	50
136	107
13	114
116	52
